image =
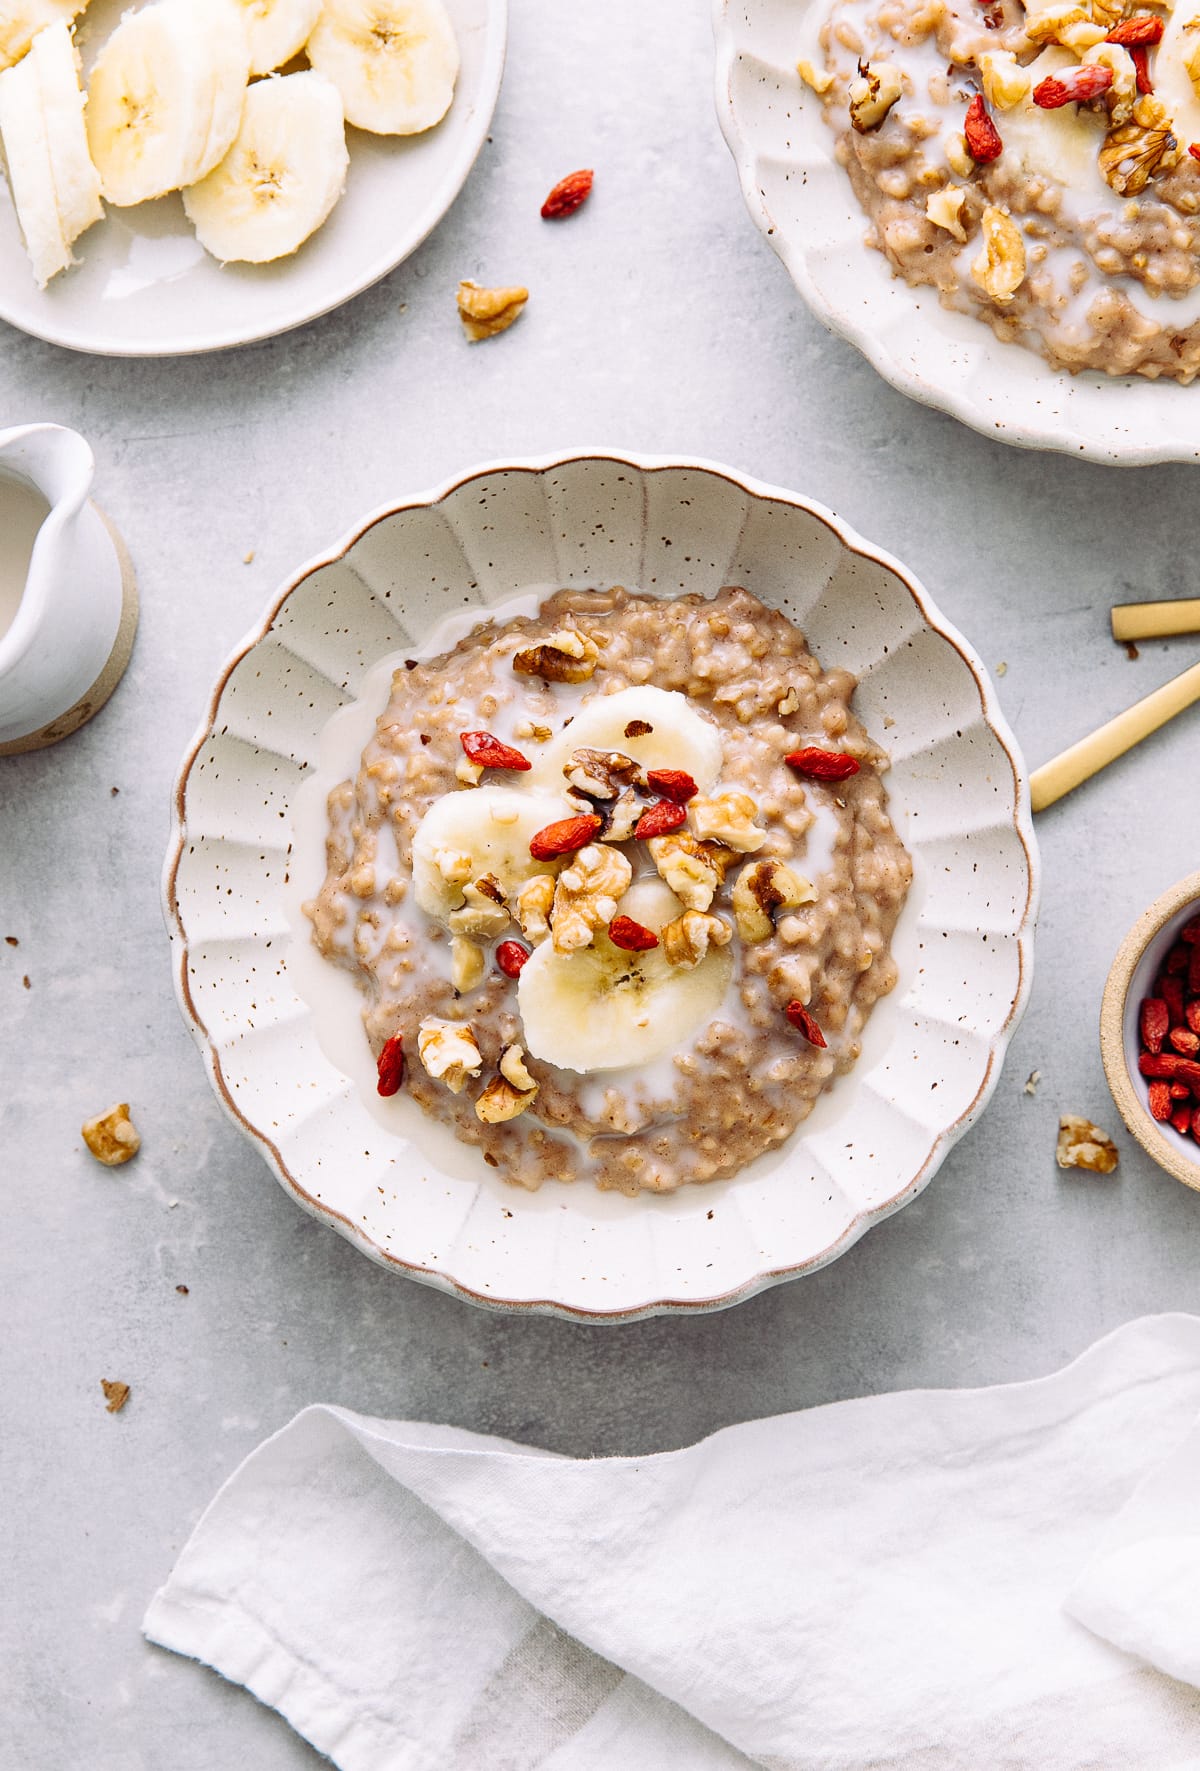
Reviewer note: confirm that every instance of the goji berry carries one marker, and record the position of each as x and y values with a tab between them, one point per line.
630	936
1181	1119
490	753
1196	1124
1141	62
391	1065
800	1018
1193	972
1177	959
510	957
567	195
1171	1066
673	784
657	819
1191	1014
1159	1096
1179	1091
564	837
1073	86
1194	149
1185	1041
1189	934
1171	991
982	136
1154	1022
1137	32
822	765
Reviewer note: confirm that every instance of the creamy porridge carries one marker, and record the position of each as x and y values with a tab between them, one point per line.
618	881
1036	165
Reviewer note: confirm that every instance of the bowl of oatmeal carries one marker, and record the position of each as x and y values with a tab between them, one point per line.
652	899
996	203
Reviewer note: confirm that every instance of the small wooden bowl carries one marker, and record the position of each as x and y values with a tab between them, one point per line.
1129	982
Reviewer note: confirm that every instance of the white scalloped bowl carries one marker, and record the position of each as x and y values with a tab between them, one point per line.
801	199
932	1051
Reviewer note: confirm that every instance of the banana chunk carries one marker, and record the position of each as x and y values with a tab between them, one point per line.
165	97
485	833
393	61
280	179
21	20
276	30
656	727
55	187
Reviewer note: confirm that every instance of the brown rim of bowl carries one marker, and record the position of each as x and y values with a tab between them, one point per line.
1132	1108
1022	821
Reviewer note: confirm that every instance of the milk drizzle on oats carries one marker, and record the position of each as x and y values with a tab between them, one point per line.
746	1080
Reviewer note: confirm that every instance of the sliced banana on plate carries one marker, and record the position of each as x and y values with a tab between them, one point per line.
165	97
393	61
601	1008
480	830
21	20
282	176
677	737
55	188
276	30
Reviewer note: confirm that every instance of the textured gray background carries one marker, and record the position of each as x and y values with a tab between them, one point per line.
659	321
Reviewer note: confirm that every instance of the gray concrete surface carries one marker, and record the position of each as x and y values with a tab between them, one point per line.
659	321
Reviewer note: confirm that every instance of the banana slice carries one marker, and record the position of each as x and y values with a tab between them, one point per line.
481	830
277	30
282	176
601	1008
165	97
21	20
393	61
55	187
679	738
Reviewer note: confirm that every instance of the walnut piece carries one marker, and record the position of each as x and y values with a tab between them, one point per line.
1123	92
467	772
449	1052
620	818
601	774
455	867
484	912
466	964
585	897
1005	82
112	1137
761	889
729	819
512	1068
944	209
957	156
1083	1145
1045	25
116	1394
687	866
534	901
1000	268
1133	154
484	312
819	81
500	1101
873	94
686	940
566	657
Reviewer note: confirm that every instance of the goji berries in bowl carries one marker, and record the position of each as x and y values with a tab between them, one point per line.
1150	1030
300	1080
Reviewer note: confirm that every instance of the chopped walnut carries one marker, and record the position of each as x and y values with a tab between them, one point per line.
1000	268
116	1394
873	94
1083	1145
449	1052
454	865
761	889
112	1137
684	865
1044	26
601	774
819	81
1123	92
1133	154
527	728
466	963
729	819
484	912
512	1068
620	818
586	894
484	312
533	907
686	940
944	209
500	1101
467	772
957	157
566	657
1005	82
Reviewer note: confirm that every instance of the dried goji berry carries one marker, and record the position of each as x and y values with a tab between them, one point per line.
1189	934
1154	1022
1191	1014
673	784
1171	991
1160	1101
564	837
1141	62
1073	86
982	136
800	1018
510	957
1177	959
657	819
1194	149
631	936
1193	972
1179	1091
391	1065
1181	1119
1196	1124
1185	1041
1137	32
822	765
490	753
1171	1066
567	195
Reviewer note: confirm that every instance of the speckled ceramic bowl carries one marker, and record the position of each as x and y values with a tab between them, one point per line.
801	199
1130	981
428	1207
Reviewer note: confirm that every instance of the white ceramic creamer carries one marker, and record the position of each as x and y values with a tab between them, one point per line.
68	606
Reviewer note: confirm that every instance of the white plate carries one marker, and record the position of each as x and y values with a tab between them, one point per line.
402	1191
801	199
145	287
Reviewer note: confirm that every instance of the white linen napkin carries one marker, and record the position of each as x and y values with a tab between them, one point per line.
953	1580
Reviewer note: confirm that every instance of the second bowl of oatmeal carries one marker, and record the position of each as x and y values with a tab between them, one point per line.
709	891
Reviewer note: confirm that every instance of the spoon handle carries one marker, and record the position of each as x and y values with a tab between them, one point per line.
1099	748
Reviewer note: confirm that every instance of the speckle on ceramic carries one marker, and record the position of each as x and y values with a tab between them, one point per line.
801	199
932	1051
